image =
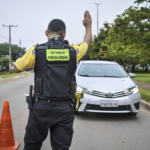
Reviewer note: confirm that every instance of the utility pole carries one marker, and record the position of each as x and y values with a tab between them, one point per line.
20	47
9	45
20	42
97	17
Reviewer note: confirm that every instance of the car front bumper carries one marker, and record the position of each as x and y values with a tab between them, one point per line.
127	104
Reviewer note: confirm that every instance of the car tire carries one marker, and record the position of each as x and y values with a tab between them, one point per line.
132	114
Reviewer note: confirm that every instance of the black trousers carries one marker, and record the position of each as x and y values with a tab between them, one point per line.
54	116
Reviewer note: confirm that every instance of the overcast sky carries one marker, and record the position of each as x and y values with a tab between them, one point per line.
33	16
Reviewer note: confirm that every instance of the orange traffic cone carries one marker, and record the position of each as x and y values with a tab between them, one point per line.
7	141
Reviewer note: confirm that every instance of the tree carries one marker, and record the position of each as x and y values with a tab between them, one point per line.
15	50
98	47
130	36
5	63
141	1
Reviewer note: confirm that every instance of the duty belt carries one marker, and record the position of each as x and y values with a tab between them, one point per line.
54	101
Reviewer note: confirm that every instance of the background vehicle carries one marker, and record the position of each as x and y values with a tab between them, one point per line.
29	69
107	88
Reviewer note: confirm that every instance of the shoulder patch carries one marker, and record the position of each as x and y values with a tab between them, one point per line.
33	52
77	51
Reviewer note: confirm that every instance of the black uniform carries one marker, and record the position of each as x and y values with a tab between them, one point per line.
55	65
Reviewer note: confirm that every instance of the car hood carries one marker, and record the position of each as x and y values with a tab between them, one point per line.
105	83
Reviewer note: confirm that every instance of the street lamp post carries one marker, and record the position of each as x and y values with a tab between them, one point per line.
97	17
83	35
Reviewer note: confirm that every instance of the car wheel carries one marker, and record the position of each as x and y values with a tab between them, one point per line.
132	114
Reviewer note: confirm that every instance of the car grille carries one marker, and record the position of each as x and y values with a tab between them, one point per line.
98	107
115	95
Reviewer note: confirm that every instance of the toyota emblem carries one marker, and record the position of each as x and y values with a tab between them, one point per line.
109	95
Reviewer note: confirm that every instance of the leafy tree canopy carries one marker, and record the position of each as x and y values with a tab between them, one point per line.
141	1
15	50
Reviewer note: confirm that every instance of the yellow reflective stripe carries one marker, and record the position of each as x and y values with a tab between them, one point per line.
57	54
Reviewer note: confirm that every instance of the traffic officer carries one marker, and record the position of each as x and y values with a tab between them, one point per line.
54	67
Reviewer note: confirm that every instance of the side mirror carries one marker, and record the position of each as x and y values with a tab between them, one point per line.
132	75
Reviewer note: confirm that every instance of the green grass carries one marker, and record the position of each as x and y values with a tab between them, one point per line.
139	71
145	95
7	75
143	77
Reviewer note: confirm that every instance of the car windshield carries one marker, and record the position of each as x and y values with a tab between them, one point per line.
101	70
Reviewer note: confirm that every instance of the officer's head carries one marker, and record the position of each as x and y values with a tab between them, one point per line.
56	28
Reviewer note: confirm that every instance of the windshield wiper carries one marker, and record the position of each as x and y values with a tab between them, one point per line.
85	75
110	76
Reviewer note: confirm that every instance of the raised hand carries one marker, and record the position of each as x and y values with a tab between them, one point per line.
87	22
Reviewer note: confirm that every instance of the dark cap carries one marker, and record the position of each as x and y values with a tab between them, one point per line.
56	25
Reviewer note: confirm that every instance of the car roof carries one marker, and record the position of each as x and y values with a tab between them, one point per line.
99	62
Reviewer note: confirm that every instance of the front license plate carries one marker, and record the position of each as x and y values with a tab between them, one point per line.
109	103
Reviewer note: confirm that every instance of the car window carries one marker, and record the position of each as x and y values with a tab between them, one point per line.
101	70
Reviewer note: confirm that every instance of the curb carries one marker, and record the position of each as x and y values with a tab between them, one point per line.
13	78
145	104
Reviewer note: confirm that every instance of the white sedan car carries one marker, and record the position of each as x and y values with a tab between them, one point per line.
107	88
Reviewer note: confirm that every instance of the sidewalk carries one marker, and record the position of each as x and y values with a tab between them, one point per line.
143	85
16	77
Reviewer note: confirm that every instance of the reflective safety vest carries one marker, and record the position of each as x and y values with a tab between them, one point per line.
55	66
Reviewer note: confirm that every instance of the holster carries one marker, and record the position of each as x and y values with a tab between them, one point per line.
30	98
30	102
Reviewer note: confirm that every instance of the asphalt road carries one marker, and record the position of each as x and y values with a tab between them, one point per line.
92	131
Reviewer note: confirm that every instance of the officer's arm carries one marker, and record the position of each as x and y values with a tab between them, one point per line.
87	22
82	48
28	60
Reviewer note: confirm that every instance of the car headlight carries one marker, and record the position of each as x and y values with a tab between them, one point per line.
132	91
79	89
84	90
